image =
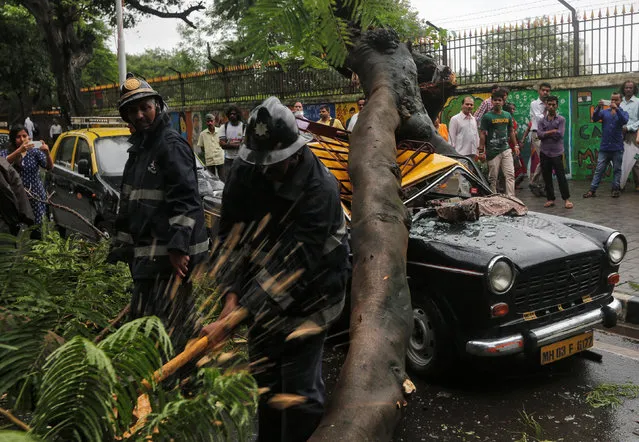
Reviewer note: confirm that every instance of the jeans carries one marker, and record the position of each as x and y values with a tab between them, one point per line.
547	165
503	160
602	163
291	367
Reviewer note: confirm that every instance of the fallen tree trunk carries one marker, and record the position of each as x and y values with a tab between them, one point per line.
370	393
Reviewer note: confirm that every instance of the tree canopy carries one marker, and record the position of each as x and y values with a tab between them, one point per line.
539	47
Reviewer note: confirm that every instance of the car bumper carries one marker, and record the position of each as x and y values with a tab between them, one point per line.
548	334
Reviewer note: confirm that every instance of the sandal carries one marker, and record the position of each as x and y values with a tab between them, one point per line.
589	194
549	204
616	194
568	205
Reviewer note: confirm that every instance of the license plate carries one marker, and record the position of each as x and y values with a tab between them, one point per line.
568	347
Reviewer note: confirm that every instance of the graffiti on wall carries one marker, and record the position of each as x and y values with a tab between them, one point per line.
587	133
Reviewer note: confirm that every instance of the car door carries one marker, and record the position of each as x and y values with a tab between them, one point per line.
85	187
60	183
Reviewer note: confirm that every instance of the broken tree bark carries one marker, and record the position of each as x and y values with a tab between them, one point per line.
370	394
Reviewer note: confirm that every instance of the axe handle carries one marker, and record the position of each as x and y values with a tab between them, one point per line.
228	324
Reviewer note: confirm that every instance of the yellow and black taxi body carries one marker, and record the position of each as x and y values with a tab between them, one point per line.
533	285
87	175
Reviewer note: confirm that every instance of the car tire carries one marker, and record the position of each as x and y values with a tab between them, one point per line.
430	351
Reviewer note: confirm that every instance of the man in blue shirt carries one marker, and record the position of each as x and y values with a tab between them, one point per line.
611	148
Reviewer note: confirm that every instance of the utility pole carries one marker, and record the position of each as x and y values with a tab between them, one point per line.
120	42
575	37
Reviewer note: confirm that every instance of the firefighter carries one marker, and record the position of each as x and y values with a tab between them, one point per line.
288	268
160	225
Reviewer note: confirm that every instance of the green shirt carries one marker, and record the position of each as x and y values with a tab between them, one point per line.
497	128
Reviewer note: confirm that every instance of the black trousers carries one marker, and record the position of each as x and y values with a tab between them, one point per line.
175	306
293	367
547	166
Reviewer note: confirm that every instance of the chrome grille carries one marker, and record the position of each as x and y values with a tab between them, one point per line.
556	283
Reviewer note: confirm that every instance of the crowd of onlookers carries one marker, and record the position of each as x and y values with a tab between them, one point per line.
489	135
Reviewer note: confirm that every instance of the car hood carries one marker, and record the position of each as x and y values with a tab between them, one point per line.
527	240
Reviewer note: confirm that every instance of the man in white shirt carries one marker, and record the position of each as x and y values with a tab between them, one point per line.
29	126
462	130
54	131
231	136
630	163
352	120
537	113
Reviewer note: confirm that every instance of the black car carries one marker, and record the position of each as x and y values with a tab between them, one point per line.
535	284
87	175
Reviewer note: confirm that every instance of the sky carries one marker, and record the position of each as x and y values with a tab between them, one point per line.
459	16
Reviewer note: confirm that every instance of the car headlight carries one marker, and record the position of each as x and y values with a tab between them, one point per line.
500	275
616	247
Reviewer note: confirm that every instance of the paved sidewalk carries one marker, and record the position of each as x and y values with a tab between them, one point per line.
620	213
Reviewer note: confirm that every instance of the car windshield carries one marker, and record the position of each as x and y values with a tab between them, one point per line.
453	183
111	153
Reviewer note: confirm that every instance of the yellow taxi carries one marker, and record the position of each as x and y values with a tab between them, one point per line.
87	172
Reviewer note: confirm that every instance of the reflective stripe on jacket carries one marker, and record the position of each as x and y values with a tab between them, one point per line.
160	207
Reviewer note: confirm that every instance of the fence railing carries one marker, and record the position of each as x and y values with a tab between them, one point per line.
233	84
601	42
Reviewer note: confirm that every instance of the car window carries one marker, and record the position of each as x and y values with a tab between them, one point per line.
82	152
64	154
456	183
112	154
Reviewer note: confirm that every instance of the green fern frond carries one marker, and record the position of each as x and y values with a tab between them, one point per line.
76	399
222	411
16	436
24	348
136	351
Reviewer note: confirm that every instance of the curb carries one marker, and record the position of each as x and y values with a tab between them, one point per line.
630	307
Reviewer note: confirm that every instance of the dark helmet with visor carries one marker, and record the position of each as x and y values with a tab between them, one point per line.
271	135
135	89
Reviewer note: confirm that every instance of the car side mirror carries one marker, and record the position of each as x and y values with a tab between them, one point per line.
83	167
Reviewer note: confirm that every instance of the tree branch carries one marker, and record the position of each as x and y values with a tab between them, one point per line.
182	15
14	420
97	231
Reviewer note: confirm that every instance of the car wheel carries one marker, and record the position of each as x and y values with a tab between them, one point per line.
430	348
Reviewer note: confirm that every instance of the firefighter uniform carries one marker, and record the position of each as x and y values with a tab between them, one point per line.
160	212
291	266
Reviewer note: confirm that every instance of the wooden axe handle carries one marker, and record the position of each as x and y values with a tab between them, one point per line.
227	325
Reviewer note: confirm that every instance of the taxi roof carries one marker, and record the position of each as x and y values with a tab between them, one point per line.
416	159
98	132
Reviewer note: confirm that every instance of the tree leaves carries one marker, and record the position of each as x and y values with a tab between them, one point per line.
76	399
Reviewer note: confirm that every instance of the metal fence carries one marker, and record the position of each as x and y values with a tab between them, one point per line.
235	84
601	42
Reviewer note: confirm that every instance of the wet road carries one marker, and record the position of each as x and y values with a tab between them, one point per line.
489	402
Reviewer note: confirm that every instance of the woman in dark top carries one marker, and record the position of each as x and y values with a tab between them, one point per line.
28	159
